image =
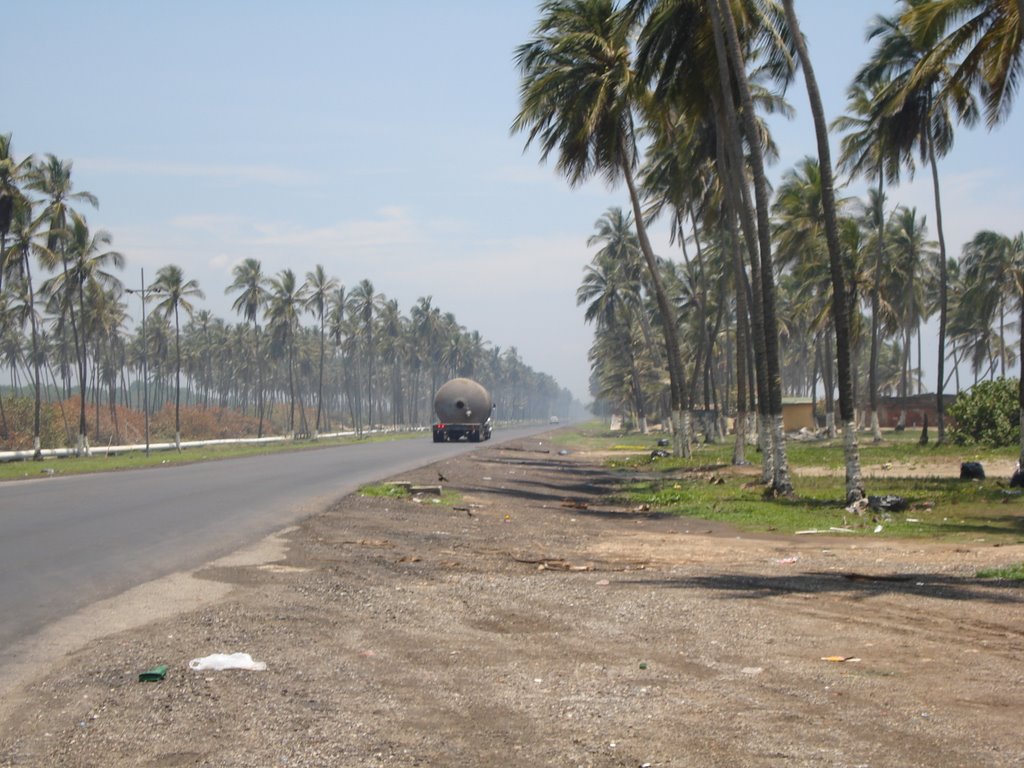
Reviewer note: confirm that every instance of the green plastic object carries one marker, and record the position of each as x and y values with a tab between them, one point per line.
154	675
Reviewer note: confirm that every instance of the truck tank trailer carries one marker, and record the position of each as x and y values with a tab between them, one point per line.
464	409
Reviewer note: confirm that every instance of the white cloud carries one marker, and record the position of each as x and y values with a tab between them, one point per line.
239	174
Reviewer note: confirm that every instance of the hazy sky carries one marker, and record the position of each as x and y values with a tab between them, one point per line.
373	138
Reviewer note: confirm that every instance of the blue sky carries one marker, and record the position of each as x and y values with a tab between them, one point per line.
373	138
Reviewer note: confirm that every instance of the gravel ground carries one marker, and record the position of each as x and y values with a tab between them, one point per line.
538	624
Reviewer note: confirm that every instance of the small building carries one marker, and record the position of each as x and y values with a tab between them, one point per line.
918	408
797	414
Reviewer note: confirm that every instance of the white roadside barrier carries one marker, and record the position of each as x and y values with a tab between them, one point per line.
112	450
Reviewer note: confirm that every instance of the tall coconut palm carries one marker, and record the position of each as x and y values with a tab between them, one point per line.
682	47
864	152
837	269
800	245
911	260
732	62
611	291
319	287
251	286
51	178
426	332
176	295
620	258
284	305
336	323
86	264
993	270
11	174
106	318
26	247
364	303
392	336
578	96
988	265
921	107
981	43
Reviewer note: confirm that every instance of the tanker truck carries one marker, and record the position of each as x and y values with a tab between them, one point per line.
464	408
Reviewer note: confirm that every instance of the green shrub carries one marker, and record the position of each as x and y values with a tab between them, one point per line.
988	414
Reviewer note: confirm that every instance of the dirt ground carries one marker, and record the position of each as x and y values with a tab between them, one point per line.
538	624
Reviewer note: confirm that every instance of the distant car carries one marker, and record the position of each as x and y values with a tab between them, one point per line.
553	420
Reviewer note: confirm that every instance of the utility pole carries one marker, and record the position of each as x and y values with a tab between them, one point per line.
143	291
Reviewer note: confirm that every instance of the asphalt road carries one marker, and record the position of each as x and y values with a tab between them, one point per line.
66	542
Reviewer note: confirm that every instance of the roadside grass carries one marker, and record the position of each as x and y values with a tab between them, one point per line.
21	470
706	486
1010	573
447	498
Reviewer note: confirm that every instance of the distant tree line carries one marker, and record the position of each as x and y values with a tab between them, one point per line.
321	355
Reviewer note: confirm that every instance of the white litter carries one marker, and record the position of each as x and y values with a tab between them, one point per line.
218	661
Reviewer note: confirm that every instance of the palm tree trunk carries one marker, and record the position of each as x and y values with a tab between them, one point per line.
940	405
1020	390
742	342
780	481
840	304
83	440
259	378
37	454
876	430
731	160
291	392
177	381
828	383
320	385
677	378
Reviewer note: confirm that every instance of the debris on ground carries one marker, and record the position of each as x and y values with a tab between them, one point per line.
154	674
888	503
972	470
221	661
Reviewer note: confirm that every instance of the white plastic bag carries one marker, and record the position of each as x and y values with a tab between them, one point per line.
218	661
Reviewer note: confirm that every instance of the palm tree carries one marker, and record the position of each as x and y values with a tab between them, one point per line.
336	323
364	304
11	174
920	105
800	245
578	97
682	46
26	245
392	341
286	298
911	256
865	153
177	292
838	271
981	43
85	266
732	61
993	271
52	179
988	265
426	333
319	288
252	287
611	290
